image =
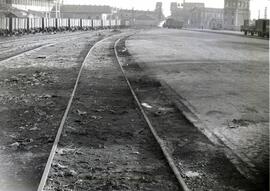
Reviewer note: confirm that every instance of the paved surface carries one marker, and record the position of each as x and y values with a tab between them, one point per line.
223	78
218	31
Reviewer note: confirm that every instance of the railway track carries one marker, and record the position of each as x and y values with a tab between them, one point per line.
57	138
15	52
160	142
176	177
37	91
34	38
103	140
65	169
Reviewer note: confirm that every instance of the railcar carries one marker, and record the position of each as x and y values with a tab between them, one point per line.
19	25
4	25
97	24
34	25
173	23
258	27
87	24
105	23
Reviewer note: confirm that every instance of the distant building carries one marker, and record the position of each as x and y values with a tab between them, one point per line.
196	15
183	12
202	17
235	12
26	8
83	11
159	11
142	18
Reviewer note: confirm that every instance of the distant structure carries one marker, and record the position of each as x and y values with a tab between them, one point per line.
159	11
82	11
197	15
142	18
26	8
210	18
235	12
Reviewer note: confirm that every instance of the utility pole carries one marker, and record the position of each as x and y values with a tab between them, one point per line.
259	14
265	13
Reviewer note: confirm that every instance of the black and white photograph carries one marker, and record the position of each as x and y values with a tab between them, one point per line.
134	95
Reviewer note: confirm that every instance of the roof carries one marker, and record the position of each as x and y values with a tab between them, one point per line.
84	9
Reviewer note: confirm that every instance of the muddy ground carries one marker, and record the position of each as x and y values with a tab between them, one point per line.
34	90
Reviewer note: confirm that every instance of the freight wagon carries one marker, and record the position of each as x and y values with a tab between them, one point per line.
16	25
258	27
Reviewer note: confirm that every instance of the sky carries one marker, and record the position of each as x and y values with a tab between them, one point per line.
255	5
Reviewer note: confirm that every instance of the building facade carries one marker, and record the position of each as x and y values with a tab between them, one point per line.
210	18
82	11
235	12
183	12
142	18
26	8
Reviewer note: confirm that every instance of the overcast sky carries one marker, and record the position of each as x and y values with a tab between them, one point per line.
255	5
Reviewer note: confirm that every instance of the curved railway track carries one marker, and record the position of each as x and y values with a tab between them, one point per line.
160	142
181	184
57	138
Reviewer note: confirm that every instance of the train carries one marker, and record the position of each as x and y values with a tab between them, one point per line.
258	27
173	23
12	25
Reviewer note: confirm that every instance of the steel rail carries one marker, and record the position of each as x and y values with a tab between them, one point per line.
160	142
63	39
60	129
24	52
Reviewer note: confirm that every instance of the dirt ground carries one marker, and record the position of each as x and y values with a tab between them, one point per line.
34	90
106	145
203	165
223	80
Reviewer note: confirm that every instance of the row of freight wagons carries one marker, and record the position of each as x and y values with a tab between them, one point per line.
13	25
